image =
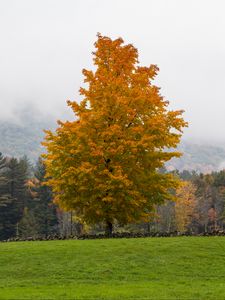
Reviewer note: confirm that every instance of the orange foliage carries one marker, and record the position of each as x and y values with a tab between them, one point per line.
104	164
185	205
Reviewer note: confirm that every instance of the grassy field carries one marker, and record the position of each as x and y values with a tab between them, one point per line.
150	268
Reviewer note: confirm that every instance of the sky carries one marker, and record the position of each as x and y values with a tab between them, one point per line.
46	43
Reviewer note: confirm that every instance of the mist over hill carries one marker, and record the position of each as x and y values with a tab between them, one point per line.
203	158
23	136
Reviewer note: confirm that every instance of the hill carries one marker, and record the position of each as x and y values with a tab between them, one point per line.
202	158
24	137
151	268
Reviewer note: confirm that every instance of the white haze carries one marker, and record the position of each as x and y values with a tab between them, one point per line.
45	44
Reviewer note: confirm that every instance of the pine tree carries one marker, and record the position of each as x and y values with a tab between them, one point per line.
28	226
43	209
16	174
4	198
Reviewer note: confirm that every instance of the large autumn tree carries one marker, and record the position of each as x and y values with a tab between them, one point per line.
105	164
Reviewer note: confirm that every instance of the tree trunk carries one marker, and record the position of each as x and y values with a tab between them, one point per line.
108	228
71	223
148	228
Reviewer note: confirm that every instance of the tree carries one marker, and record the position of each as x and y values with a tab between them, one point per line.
43	209
185	205
28	226
219	204
17	174
4	198
165	219
104	164
14	188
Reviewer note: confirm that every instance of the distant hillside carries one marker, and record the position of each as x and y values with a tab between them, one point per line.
199	157
24	138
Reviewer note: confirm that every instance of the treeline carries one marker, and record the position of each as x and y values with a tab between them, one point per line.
27	209
200	205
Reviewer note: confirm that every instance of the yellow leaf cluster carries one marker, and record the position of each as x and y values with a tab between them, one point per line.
105	164
185	205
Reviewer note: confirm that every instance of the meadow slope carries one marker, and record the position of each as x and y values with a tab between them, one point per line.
150	268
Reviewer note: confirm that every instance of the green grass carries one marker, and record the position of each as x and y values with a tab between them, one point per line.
150	268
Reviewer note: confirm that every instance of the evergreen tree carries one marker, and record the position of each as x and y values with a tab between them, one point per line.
4	198
28	226
44	209
14	190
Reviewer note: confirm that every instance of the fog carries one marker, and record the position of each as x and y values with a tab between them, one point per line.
45	44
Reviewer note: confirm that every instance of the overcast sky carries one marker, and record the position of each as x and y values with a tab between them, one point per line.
45	44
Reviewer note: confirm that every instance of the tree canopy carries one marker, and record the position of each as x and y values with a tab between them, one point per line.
105	163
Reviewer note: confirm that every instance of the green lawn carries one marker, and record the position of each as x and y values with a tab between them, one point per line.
150	268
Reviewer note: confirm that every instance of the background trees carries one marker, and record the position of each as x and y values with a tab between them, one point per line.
44	209
40	215
4	198
185	206
14	174
104	165
27	209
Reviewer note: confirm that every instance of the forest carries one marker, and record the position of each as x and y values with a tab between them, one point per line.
27	208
